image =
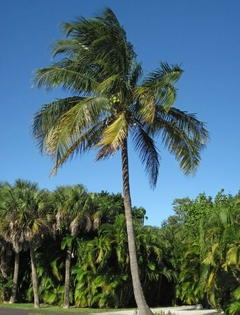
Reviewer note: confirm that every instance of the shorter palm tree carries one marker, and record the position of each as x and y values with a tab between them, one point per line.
25	220
74	215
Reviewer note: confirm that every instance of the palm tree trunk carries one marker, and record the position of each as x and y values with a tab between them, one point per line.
34	277
143	308
15	279
67	278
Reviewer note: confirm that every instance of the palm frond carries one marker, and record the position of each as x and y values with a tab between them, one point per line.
48	116
69	125
113	136
135	74
70	78
114	45
148	153
164	75
104	39
234	308
61	152
85	114
145	106
161	82
109	85
183	135
69	47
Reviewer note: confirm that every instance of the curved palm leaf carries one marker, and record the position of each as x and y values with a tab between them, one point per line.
148	153
183	135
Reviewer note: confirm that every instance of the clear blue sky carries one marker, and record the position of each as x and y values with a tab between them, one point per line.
202	35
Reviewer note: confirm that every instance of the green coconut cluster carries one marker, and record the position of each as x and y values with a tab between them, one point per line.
114	99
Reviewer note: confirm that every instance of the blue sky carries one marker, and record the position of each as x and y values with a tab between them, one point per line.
201	35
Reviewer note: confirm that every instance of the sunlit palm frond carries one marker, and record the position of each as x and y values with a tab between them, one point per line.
62	151
48	116
145	105
113	137
85	113
69	125
161	82
233	255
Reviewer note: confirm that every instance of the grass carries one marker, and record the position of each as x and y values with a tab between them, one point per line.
52	310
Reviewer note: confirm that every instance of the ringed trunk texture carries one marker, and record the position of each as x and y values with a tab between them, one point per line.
143	308
34	277
15	279
67	277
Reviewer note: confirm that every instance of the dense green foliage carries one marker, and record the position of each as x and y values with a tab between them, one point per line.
194	257
92	226
206	250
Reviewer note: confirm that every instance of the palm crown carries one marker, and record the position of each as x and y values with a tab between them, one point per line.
112	100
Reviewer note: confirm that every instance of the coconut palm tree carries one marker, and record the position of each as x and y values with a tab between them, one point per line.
111	102
25	214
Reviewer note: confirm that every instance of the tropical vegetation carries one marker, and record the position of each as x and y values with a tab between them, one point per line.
81	253
111	103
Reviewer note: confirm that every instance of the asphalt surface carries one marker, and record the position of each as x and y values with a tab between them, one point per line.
182	310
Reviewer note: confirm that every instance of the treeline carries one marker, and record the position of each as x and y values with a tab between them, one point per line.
69	247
